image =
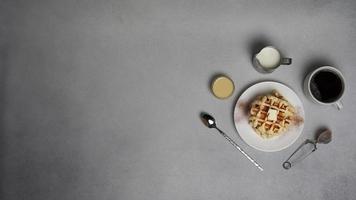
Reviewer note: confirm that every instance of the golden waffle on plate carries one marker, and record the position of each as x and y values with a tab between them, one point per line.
271	115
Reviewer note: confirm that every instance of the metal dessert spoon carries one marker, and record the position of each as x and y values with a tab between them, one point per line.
209	121
309	146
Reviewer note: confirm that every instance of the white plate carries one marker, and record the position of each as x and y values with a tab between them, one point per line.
248	134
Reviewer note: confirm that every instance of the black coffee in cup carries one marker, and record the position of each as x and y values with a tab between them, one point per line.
326	86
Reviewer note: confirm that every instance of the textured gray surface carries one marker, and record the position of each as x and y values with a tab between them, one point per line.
100	99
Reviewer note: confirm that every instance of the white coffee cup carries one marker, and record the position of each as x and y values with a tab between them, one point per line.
269	59
325	86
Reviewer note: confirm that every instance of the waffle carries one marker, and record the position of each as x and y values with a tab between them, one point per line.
271	115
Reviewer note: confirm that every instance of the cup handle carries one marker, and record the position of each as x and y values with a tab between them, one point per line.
339	105
286	61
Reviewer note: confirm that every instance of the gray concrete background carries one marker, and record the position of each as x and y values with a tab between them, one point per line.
100	99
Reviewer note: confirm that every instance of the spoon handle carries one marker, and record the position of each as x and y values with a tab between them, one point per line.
303	151
240	149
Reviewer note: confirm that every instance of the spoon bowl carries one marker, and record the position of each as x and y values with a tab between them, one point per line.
208	120
324	137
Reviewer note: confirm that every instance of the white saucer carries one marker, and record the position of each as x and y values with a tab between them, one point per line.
248	134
